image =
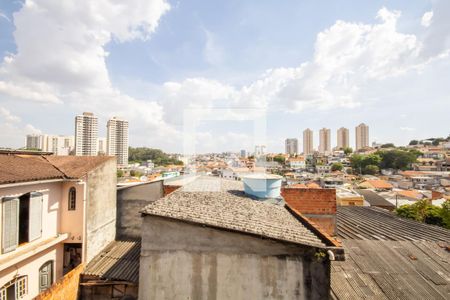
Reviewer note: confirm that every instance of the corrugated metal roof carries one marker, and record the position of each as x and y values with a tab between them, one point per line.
118	261
388	257
373	223
391	270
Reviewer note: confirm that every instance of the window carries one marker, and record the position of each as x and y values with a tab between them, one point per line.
15	289
46	276
21	220
72	198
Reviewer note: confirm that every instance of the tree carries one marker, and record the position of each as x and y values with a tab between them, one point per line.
119	173
359	163
423	211
337	167
388	145
413	142
279	159
348	150
396	159
371	170
158	157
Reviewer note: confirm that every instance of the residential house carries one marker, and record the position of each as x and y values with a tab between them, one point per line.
297	163
56	212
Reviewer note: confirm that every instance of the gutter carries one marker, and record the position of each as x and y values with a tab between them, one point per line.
32	182
84	230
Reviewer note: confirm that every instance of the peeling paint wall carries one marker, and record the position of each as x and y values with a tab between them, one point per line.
187	261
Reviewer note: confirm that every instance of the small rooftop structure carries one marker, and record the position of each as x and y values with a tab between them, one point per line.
262	185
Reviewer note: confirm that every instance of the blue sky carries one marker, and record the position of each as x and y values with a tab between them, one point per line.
305	63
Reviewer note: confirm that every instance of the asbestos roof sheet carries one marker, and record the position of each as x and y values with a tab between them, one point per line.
373	223
376	269
373	198
222	204
118	261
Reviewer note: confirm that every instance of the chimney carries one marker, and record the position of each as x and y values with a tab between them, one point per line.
318	205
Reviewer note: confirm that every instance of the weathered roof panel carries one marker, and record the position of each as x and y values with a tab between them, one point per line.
223	204
118	261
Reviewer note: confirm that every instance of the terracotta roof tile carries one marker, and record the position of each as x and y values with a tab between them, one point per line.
24	168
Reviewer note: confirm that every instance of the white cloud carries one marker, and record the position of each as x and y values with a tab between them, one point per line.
8	116
407	129
61	54
4	16
427	19
351	65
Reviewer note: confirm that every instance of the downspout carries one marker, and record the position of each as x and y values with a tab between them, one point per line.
84	241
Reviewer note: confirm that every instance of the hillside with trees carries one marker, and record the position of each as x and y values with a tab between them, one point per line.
157	156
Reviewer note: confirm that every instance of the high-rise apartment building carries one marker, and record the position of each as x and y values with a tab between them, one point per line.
57	144
308	146
342	138
117	140
291	146
325	141
102	146
35	141
86	134
362	136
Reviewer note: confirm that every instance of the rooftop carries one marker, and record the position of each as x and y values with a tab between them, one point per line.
388	257
373	223
379	184
374	199
222	204
24	168
118	261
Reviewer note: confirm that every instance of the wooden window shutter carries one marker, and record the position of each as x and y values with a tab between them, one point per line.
10	226
35	223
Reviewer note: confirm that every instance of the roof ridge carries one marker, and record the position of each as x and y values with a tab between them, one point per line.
58	169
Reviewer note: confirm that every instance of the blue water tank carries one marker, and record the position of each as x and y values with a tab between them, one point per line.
262	185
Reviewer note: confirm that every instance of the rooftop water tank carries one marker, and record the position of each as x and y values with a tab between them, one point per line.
262	185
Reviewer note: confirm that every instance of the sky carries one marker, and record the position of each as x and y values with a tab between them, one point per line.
213	76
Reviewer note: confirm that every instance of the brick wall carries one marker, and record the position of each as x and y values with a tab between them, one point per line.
170	188
318	205
66	288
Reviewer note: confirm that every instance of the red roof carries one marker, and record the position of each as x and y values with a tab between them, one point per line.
24	168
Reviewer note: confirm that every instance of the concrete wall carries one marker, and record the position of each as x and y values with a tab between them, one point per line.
132	199
100	208
187	261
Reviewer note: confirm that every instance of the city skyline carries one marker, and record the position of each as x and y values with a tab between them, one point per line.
150	67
